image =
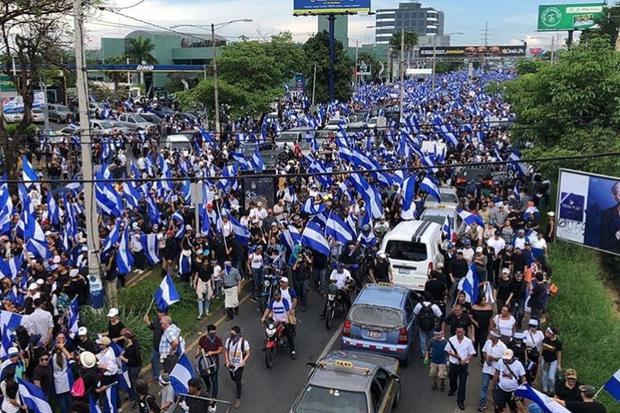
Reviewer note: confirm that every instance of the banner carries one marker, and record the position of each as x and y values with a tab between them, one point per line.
588	210
16	104
472	51
560	17
330	6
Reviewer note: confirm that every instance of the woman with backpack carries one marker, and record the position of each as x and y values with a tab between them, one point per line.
10	390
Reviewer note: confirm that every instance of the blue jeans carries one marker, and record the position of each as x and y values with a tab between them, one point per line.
425	340
134	375
319	280
549	371
63	401
155	367
484	388
301	287
257	280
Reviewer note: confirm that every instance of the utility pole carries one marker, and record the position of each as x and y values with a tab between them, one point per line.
486	44
434	60
552	49
92	233
402	73
357	45
215	89
332	57
314	84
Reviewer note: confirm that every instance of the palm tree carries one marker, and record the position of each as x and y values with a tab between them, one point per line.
140	50
411	39
116	77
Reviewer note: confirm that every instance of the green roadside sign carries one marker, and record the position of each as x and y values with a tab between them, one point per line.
6	85
563	17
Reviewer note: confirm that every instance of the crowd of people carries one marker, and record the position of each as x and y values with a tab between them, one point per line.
356	180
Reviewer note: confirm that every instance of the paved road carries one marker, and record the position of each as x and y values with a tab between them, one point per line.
275	390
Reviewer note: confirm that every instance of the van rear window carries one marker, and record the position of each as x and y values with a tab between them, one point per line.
406	250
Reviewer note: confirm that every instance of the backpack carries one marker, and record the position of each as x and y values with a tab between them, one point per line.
78	389
426	318
149	405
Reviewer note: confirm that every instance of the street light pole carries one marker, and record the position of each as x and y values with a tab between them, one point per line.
314	84
215	88
434	60
402	74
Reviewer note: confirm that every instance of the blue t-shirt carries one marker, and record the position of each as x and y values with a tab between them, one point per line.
438	352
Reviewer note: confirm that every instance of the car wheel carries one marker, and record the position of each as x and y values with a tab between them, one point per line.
397	396
329	318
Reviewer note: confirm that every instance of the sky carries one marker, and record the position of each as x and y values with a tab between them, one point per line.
509	21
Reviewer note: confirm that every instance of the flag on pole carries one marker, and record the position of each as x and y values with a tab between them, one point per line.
470	218
33	397
427	185
446	231
408	188
469	284
546	403
613	386
181	374
150	247
29	175
338	229
290	237
313	238
166	294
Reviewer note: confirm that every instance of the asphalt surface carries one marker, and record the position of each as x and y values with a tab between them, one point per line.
275	390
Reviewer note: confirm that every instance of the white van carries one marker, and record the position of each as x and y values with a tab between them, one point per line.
413	251
179	142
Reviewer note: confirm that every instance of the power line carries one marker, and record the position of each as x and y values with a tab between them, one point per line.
302	175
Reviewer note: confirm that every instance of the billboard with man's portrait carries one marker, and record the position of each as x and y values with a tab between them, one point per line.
588	210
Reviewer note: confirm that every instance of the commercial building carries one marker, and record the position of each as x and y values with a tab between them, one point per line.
170	49
427	22
341	28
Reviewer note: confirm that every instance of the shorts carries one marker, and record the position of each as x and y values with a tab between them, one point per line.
438	370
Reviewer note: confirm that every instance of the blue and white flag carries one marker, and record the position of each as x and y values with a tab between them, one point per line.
241	233
166	294
29	175
124	257
152	211
6	209
131	195
408	189
338	229
470	218
33	397
52	209
110	399
181	374
180	221
113	237
10	320
73	314
469	284
313	238
546	403
185	262
310	208
446	231
290	237
430	187
37	243
8	341
257	160
613	386
517	165
11	268
150	247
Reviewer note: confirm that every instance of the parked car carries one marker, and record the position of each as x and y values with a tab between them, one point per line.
449	198
178	142
381	321
59	113
414	251
151	117
104	127
135	121
13	117
350	382
38	115
482	176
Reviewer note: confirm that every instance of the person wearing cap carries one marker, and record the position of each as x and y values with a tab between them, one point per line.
533	339
520	240
84	343
551	360
460	350
255	267
492	351
468	251
588	405
14	362
106	360
438	359
115	326
279	310
380	269
509	374
166	394
550	227
290	294
568	389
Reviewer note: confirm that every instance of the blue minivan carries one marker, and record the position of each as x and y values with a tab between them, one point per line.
381	321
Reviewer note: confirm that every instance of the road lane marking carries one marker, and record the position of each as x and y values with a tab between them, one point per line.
331	342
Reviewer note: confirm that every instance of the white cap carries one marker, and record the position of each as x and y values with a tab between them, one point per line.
135	226
533	322
478	249
74	273
188	227
33	286
284	280
508	354
56	259
13	351
113	312
40	282
82	331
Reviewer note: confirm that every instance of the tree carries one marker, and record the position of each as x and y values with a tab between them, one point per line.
288	55
608	25
372	63
140	50
249	66
316	50
571	107
116	77
411	39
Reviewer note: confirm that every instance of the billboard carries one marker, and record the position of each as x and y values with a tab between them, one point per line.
559	17
330	6
472	51
588	210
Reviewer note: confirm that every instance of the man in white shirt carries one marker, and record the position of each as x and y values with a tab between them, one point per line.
509	374
492	351
468	251
259	212
460	350
40	322
498	244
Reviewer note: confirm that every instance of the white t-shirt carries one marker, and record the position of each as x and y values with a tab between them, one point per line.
256	261
468	254
7	406
534	339
494	351
434	307
520	243
496	244
235	351
108	359
464	348
507	380
504	326
340	278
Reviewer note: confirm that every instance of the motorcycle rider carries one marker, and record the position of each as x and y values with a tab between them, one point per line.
279	311
351	257
341	277
380	269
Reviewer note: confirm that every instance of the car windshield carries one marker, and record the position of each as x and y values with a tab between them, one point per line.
152	118
406	250
371	315
324	400
139	118
448	198
106	125
62	109
357	117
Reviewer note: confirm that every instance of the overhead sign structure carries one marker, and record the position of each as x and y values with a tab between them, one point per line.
472	51
330	6
562	17
587	210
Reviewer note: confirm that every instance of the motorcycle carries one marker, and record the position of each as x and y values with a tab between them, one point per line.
270	284
275	340
336	304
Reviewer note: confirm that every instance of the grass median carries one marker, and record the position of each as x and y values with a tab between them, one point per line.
586	315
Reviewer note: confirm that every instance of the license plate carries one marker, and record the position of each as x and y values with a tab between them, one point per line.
374	334
403	271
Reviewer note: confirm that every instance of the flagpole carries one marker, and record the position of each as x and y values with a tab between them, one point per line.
148	310
597	393
217	204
